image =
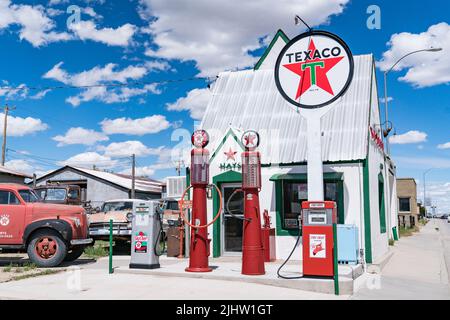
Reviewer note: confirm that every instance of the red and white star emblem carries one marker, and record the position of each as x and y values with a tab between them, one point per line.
313	72
230	154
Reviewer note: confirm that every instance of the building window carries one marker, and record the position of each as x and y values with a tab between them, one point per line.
404	204
294	193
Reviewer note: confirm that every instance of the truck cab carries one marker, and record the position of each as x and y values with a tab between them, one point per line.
51	233
61	194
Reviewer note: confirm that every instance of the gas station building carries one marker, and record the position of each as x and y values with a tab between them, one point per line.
358	175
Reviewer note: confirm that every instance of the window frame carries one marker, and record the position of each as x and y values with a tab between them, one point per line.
399	204
301	178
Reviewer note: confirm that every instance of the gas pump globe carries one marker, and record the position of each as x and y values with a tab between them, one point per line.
251	170
199	166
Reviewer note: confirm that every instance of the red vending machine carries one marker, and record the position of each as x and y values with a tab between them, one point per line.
318	218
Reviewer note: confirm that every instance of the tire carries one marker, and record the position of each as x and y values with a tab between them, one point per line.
46	248
74	254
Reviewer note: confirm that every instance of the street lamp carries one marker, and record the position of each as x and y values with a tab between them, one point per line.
385	91
424	189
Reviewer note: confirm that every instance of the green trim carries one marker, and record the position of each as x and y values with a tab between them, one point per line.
394	232
335	260
279	34
226	177
302	177
230	132
304	163
381	204
340	202
367	231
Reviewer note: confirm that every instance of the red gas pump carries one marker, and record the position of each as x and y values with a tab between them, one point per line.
199	246
318	219
252	246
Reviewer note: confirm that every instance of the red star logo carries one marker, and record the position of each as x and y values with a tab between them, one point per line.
313	71
249	139
230	154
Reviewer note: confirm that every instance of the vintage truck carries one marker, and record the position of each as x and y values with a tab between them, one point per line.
61	193
50	233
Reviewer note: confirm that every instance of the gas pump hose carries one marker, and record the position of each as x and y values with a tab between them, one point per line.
158	238
219	211
227	206
289	257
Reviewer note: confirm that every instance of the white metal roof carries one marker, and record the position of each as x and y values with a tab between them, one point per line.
6	170
141	184
250	100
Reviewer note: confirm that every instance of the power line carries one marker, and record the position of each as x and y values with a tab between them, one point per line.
104	85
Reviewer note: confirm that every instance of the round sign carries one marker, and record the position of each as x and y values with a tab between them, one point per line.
314	69
250	139
200	138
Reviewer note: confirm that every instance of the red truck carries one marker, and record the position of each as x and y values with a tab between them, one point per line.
51	233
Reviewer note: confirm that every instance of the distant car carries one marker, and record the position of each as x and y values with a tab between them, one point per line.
448	219
121	212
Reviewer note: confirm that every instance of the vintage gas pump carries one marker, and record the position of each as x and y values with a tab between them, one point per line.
318	239
252	246
145	236
199	246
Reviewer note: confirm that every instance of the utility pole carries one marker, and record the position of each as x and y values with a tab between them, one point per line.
133	176
6	109
178	168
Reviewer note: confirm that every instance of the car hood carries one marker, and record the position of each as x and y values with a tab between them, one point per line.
103	217
59	209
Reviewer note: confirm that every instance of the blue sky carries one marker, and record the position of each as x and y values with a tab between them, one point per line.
155	40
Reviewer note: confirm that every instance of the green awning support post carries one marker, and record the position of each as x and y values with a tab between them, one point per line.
111	270
335	260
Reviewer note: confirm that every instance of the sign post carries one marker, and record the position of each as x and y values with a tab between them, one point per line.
312	72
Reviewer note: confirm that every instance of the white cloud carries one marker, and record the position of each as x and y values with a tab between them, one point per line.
127	148
90	159
195	102
425	68
19	92
80	136
412	136
439	193
141	126
20	165
41	94
19	127
34	24
389	99
101	75
219	35
444	145
121	36
145	171
422	162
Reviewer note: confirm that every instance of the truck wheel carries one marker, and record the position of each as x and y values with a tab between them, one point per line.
74	254
46	248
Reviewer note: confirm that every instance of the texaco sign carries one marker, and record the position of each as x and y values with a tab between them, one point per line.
314	69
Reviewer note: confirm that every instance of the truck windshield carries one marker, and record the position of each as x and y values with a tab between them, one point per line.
29	195
56	194
117	206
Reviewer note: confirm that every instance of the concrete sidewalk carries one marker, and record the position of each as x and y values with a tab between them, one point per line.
229	268
417	269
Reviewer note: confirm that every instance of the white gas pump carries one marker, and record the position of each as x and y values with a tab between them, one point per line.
145	236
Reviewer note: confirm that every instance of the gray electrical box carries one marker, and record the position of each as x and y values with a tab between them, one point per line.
145	233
